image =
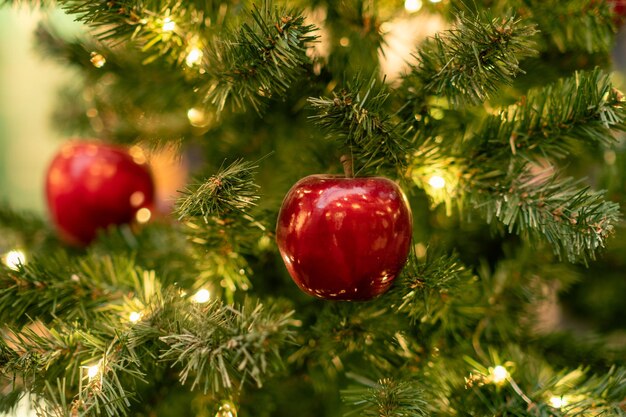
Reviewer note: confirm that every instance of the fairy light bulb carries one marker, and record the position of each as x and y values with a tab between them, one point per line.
194	57
198	117
412	6
202	296
499	374
227	409
558	402
98	60
437	182
143	215
94	370
134	317
168	25
13	259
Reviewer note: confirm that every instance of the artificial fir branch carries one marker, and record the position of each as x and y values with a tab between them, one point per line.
217	213
547	121
357	115
585	25
562	393
73	289
232	189
260	60
499	169
575	220
221	347
470	62
424	285
231	347
130	85
367	335
386	398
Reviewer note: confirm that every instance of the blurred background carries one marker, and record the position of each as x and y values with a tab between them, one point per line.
28	92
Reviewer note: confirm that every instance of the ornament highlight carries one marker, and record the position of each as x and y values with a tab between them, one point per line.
344	238
91	185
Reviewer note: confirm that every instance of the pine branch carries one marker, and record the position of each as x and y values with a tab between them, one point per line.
357	116
574	25
366	335
231	190
71	289
9	401
470	62
261	60
575	220
387	398
154	25
496	170
565	393
424	286
226	229
548	121
221	348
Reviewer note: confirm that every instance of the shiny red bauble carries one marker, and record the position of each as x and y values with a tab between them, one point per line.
91	186
619	9
344	238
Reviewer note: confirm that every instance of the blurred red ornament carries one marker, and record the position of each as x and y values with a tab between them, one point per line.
619	9
92	185
344	238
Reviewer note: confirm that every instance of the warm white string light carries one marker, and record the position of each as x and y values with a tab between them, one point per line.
94	370
499	374
194	56
412	6
168	25
202	296
134	317
143	215
198	117
437	182
558	402
13	259
98	60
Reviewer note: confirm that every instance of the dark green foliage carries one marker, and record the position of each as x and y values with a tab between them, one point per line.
492	120
356	115
217	213
262	60
547	122
232	347
573	219
387	398
470	62
230	190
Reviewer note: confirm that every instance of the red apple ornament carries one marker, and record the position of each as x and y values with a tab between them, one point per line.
91	185
344	238
619	10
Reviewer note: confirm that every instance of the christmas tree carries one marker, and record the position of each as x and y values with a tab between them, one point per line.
375	222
